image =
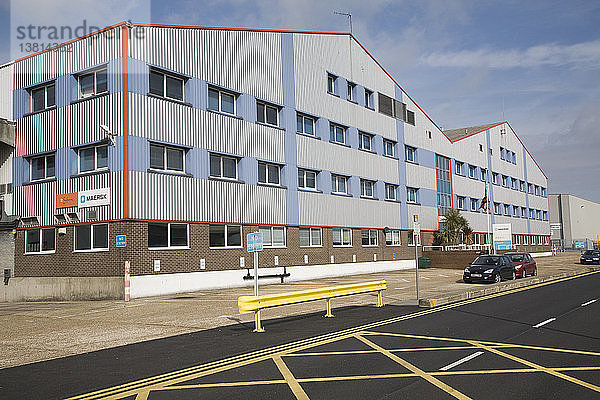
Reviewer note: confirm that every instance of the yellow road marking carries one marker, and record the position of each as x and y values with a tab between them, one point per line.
290	379
537	366
350	352
142	395
428	377
224	384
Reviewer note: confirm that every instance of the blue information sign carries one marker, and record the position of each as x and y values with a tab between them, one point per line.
255	242
580	245
121	240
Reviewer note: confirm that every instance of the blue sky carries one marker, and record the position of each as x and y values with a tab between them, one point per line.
460	60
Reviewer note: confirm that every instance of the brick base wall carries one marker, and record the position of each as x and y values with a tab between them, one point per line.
461	259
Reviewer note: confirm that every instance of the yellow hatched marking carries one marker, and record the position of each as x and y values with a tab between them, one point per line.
143	395
428	377
350	352
224	384
290	379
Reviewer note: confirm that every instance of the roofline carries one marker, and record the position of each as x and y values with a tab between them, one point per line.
278	31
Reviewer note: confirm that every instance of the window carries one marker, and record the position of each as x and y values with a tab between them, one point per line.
267	113
337	134
537	190
92	83
531	214
342	237
225	236
515	211
369	99
483	174
223	166
545	216
502	153
481	147
273	236
368	237
410	117
388	148
443	174
305	124
472	171
410	153
42	97
522	186
392	238
538	214
221	101
386	105
474	205
307	179
504	180
458	167
167	158
339	184
93	158
546	240
269	173
544	192
428	134
530	188
310	237
495	178
412	195
364	141
367	188
167	235
40	240
91	237
331	83
41	167
496	208
506	209
513	183
390	191
350	93
523	212
411	238
460	202
166	85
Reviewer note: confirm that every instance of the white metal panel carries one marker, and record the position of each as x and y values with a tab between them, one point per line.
6	91
463	186
537	202
534	174
540	227
428	216
330	210
420	177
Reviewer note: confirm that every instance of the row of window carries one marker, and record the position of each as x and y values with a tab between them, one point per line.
530	239
86	238
504	209
508	155
6	188
90	159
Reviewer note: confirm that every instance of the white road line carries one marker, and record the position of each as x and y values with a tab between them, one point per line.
403	280
462	360
445	276
403	287
544	322
588	302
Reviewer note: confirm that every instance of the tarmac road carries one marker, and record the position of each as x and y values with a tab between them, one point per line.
535	342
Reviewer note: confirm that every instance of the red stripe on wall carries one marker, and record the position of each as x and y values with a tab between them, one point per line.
125	123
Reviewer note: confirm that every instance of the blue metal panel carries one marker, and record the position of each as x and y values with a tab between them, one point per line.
202	163
526	189
377	144
248	170
352	137
21	103
289	124
354	186
427	197
114	74
137	79
324	182
322	128
490	204
340	88
65	90
426	158
194	92
139	153
18	167
246	107
401	167
62	163
359	92
380	190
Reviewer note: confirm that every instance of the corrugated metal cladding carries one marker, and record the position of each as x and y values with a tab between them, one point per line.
170	122
72	57
39	199
323	210
75	124
6	88
5	164
168	197
249	62
321	155
314	57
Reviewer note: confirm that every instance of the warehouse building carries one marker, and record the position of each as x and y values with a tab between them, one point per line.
165	146
574	222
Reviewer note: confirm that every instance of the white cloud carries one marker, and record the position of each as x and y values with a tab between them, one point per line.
579	55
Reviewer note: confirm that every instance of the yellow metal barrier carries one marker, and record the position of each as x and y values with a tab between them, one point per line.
248	304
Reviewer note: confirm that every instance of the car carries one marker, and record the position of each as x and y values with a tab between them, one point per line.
524	264
490	268
590	256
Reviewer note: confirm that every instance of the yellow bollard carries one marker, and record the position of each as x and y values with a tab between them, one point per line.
257	327
379	299
329	314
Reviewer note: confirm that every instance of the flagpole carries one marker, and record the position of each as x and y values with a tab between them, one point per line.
489	217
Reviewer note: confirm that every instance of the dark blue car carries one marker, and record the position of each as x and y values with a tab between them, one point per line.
490	268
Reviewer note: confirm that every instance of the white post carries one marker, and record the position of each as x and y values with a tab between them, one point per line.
255	273
416	264
489	217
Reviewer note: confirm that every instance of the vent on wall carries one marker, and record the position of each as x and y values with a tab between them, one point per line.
92	214
61	218
73	217
30	221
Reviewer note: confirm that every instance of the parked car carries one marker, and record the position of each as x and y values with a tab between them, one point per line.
490	268
590	256
524	264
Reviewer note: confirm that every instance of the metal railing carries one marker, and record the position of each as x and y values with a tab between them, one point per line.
249	304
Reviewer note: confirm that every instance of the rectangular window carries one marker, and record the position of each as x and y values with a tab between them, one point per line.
522	186
411	238
167	158
337	134
368	237
342	237
537	190
223	167
530	188
91	237
443	174
472	171
483	174
474	205
369	99
506	209
504	180
388	148
225	236
350	91
305	124
92	83
221	101
167	235
460	202
42	167
307	179
269	173
367	188
365	141
339	184
502	153
267	113
94	158
386	105
513	183
515	211
166	85
331	83
390	191
496	208
392	238
523	212
42	97
412	195
458	167
410	117
310	237
410	154
40	240
273	236
495	178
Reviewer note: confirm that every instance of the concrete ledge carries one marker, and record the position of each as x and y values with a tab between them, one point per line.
62	289
454	297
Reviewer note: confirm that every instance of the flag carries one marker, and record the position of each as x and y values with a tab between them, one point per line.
484	201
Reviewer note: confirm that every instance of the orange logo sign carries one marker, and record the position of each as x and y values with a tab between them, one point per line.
66	200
